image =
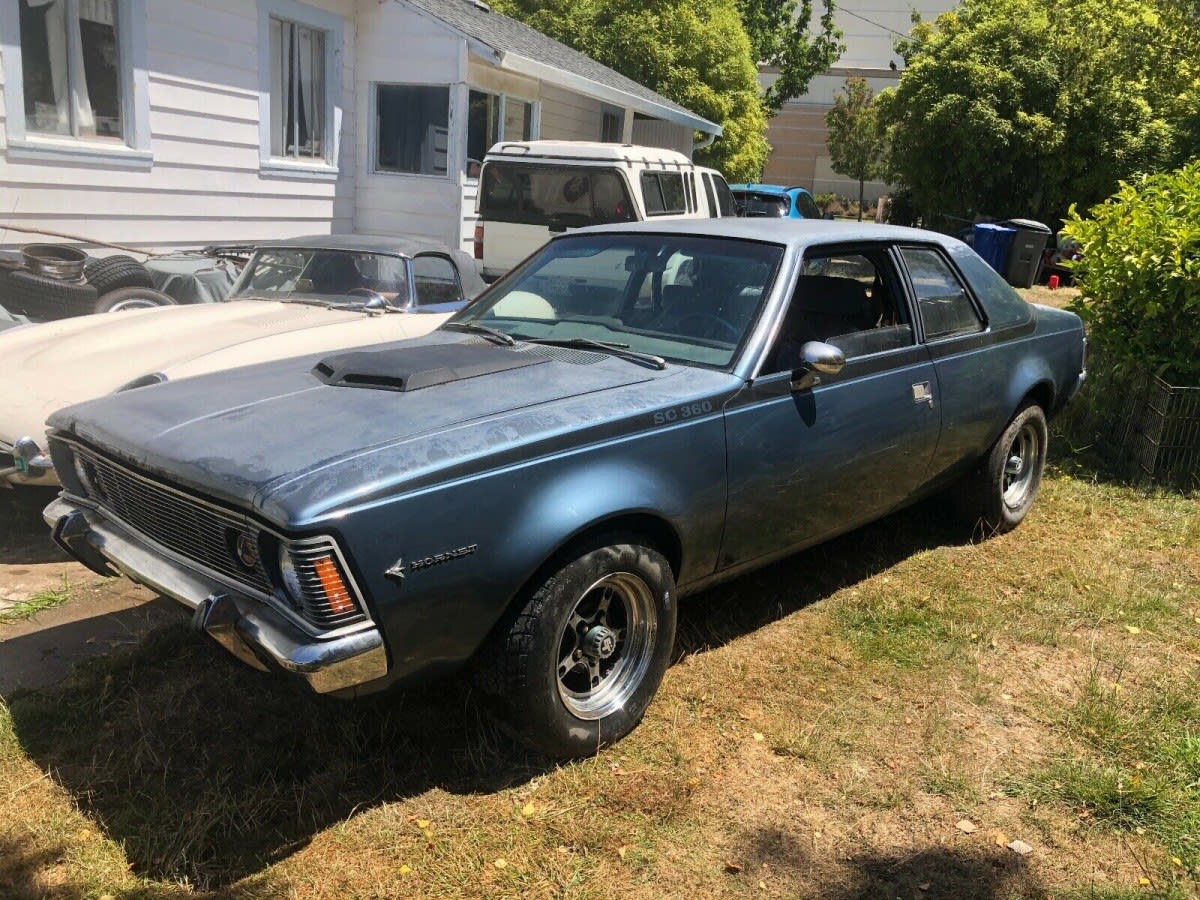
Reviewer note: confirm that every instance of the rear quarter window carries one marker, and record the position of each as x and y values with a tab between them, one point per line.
1005	307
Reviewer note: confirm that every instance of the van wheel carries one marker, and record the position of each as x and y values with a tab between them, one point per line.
575	665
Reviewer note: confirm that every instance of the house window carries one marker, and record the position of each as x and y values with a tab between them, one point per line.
492	118
412	128
71	68
299	86
612	126
297	91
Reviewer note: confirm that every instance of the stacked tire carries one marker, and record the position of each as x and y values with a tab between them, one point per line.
110	284
122	283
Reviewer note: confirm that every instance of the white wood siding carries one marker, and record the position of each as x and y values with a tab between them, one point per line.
205	183
656	133
567	116
431	54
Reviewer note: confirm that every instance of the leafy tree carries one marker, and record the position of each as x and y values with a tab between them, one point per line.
1021	107
855	144
694	52
780	36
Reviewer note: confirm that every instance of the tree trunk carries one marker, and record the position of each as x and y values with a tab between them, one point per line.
860	198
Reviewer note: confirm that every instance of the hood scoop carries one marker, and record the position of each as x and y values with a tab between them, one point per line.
404	368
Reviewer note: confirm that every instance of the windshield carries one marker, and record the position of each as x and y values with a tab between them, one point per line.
570	196
322	275
763	206
686	299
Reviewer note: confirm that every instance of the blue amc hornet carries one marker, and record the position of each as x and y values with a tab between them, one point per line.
636	412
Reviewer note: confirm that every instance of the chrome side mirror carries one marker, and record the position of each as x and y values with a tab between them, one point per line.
818	359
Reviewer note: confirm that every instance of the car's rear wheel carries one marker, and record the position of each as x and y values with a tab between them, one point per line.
575	665
1001	491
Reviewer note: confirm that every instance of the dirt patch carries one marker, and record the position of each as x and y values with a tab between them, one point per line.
99	614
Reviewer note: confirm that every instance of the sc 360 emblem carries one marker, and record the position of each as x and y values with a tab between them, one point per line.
681	413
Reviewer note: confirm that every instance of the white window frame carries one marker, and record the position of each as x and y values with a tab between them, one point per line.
334	28
134	151
373	130
502	98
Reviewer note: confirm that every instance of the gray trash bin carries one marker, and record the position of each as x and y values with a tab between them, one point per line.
1025	254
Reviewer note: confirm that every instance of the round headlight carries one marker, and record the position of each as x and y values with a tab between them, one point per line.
291	578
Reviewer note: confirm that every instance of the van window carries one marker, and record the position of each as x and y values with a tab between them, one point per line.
713	211
573	196
725	198
664	194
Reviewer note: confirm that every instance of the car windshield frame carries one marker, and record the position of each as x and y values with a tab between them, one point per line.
304	264
601	287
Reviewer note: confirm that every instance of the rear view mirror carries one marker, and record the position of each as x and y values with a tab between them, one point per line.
818	359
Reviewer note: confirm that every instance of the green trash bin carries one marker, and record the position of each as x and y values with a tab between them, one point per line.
1025	254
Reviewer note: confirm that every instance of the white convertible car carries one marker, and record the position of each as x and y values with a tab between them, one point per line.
295	296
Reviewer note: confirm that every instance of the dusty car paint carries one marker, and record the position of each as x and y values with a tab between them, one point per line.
517	467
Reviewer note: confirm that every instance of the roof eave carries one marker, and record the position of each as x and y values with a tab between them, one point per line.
525	66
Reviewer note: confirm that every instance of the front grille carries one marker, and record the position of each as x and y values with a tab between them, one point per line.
316	604
190	528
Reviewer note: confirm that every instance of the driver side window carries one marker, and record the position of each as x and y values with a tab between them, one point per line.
435	280
848	298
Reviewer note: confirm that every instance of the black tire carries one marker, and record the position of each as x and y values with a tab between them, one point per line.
42	298
114	272
132	298
542	660
1001	490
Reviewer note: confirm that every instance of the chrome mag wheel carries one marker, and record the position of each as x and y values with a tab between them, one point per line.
606	646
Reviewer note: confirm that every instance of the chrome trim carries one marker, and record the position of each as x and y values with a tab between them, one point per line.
254	631
237	519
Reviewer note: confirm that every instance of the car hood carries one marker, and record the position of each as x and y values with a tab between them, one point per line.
56	364
277	437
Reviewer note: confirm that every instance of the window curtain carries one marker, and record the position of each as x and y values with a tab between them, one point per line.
65	53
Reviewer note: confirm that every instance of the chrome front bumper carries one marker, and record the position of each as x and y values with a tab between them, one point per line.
33	466
248	628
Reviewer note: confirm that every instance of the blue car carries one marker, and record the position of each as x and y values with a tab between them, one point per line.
636	412
774	201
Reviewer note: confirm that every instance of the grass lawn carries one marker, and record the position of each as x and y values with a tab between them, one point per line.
878	717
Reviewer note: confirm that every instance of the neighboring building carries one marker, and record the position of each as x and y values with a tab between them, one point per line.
175	123
797	135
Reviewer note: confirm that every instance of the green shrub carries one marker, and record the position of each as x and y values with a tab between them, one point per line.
1140	275
824	201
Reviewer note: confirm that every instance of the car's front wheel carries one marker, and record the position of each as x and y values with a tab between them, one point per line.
1001	491
576	664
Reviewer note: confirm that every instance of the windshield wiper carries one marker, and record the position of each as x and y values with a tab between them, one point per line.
610	347
495	335
305	301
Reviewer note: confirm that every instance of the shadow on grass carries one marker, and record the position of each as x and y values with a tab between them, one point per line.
981	874
721	614
207	771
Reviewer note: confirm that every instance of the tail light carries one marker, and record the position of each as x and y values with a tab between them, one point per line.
479	240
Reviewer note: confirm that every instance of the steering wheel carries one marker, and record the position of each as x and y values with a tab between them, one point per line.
710	320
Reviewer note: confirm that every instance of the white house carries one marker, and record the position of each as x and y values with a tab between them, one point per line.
174	123
797	134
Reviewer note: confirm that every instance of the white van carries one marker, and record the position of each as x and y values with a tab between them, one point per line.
529	190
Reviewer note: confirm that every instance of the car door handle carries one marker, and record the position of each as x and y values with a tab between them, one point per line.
922	393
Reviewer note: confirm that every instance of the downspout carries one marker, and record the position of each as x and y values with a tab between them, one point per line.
709	140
